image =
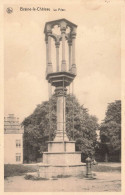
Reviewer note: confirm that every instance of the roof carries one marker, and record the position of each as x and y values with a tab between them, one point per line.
12	125
6	131
56	22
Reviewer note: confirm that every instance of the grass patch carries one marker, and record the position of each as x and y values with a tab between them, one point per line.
103	168
17	170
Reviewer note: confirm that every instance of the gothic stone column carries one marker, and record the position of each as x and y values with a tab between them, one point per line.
63	65
57	44
73	52
70	46
61	121
49	68
46	56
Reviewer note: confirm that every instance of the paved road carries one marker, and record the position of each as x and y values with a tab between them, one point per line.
104	182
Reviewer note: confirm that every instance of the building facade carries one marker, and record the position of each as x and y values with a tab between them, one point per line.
13	140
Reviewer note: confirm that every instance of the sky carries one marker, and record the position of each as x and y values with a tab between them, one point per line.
98	55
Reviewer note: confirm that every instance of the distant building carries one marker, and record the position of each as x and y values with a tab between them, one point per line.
13	140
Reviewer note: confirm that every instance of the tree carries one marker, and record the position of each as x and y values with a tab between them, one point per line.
110	129
36	130
37	125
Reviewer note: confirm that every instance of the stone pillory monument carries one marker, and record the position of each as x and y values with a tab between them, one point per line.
61	158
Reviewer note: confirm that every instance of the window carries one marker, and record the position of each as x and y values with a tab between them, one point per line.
18	157
18	143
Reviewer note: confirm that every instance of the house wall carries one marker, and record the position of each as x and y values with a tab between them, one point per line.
10	148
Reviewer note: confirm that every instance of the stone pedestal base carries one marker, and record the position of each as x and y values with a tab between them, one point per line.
65	158
60	146
60	152
61	160
49	171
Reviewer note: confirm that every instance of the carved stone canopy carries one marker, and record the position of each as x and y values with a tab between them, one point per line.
65	32
63	24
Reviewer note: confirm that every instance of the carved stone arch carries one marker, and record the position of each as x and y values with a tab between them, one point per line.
54	24
54	36
67	36
60	37
71	28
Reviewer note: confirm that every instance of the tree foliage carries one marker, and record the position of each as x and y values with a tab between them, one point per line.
110	129
38	124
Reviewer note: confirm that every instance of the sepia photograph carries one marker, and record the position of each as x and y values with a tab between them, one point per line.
62	96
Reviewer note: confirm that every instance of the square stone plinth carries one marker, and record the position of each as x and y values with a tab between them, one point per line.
62	158
60	146
48	171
